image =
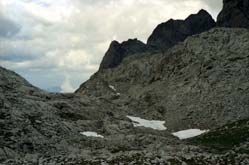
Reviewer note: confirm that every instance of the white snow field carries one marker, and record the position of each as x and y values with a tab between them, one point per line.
185	134
91	134
154	124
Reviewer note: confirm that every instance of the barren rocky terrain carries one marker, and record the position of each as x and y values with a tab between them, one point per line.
132	109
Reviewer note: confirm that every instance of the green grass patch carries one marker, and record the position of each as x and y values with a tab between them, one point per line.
226	137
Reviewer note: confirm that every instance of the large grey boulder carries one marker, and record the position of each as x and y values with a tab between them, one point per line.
235	13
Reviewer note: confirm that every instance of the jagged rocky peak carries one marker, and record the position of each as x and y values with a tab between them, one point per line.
172	32
235	13
118	51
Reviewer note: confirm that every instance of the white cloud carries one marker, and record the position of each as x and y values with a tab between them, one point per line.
66	86
77	60
71	36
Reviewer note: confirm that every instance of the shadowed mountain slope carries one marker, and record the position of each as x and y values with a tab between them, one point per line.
235	13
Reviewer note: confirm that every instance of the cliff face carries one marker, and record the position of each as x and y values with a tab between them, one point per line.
235	13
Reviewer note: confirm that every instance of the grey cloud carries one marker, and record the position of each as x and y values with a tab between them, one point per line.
214	4
8	28
18	57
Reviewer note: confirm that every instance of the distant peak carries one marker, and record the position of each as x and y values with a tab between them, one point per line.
118	51
172	32
130	40
114	42
202	11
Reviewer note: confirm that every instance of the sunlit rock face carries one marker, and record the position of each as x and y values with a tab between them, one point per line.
235	13
172	32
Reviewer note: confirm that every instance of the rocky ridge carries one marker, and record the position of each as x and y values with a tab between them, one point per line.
117	52
172	32
163	37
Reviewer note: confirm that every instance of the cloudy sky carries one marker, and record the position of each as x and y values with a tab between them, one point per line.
60	43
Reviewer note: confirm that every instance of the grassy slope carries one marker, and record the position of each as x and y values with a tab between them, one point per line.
225	138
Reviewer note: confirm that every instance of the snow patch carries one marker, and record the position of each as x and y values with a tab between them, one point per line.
185	134
91	134
112	88
154	124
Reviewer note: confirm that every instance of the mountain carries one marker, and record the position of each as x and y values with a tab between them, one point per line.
163	37
235	13
181	104
10	81
172	32
200	82
117	52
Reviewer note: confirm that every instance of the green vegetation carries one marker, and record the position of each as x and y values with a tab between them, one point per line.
226	137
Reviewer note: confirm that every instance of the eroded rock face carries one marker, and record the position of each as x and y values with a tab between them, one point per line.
235	13
172	32
118	51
